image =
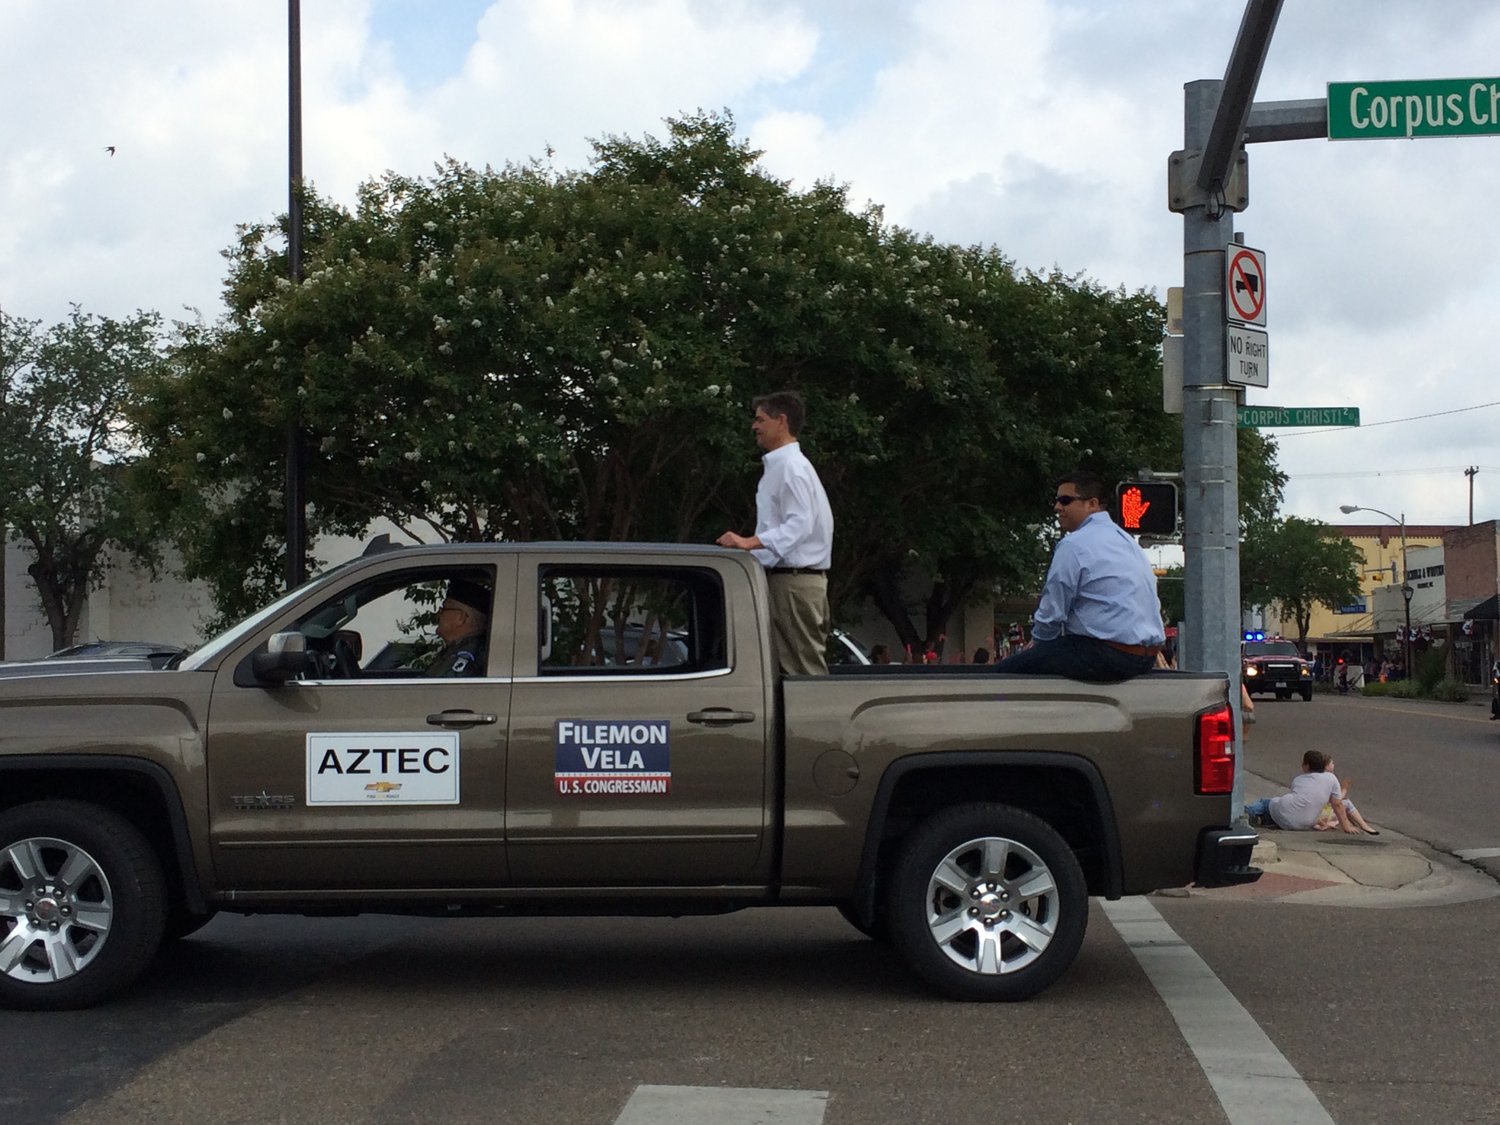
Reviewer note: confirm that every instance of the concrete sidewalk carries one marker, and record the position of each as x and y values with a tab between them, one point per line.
1338	869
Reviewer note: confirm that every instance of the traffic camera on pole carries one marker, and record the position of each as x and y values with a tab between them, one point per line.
1147	507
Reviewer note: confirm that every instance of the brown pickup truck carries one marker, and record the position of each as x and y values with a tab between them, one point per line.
615	742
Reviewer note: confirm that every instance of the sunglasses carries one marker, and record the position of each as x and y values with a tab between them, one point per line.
1064	501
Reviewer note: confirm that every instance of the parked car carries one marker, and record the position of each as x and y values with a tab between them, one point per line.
158	655
844	649
97	656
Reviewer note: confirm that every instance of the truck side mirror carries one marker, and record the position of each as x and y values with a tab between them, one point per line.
286	657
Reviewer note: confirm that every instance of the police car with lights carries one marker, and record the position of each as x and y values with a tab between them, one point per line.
1274	664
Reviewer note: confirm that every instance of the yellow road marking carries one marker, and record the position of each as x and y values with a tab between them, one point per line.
1424	711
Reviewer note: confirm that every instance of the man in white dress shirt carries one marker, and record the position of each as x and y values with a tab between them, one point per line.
793	536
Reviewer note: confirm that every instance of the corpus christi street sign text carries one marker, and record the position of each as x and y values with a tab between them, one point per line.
1255	416
1440	107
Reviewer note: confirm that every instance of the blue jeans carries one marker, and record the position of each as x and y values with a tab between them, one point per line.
1261	807
1078	658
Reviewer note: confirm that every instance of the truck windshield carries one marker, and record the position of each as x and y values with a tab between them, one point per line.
201	656
1270	648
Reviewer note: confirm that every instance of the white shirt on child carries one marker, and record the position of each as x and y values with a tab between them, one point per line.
1299	810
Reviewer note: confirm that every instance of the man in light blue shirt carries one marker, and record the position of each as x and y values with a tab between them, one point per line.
1099	618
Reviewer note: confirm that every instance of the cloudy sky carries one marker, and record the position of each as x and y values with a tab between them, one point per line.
1039	126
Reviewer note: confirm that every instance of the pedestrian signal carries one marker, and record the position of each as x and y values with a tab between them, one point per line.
1147	507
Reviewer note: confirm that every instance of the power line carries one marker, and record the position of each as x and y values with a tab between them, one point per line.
1388	421
1389	472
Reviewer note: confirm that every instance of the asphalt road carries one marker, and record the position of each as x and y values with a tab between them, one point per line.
1381	1016
1429	770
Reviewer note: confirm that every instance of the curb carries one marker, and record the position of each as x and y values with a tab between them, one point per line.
1357	872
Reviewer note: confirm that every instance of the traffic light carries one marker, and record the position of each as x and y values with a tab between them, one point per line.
1147	507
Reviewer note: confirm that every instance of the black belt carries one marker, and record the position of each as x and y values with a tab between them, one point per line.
796	570
1134	650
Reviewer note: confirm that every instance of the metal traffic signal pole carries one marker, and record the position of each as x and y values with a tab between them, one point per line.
1207	184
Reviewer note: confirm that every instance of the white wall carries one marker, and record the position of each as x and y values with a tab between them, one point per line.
129	606
26	632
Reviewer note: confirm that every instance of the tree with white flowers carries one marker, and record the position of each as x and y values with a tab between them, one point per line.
528	353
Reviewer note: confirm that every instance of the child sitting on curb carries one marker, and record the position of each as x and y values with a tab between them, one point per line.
1300	809
1328	819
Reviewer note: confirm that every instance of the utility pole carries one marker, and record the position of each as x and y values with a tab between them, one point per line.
1471	472
296	444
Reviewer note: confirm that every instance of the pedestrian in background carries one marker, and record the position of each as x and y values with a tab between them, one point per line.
793	537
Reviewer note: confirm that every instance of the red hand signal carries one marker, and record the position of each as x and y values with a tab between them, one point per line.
1132	507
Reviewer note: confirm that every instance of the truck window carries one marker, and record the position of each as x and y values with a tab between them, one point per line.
386	628
630	620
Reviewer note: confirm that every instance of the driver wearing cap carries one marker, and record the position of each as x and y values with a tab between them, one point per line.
463	626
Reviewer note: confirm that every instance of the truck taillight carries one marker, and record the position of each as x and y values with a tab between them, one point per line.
1215	765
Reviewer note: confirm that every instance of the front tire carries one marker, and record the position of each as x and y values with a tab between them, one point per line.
987	902
82	904
1307	694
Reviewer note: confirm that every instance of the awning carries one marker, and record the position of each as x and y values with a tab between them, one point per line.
1487	610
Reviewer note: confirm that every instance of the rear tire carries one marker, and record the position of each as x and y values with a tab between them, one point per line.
82	904
987	902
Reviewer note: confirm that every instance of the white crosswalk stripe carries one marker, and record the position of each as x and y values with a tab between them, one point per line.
717	1105
1478	853
1254	1082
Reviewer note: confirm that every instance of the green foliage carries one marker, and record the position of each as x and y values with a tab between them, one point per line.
530	354
1170	589
1443	690
65	446
1429	668
1451	691
1260	481
1298	563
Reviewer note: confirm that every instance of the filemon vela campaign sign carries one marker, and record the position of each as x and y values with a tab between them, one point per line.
612	757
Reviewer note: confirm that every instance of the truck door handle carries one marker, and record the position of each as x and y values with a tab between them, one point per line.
457	720
720	716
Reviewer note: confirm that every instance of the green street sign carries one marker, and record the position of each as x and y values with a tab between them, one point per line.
1254	417
1440	107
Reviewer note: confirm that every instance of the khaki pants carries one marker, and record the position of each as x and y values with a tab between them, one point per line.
799	623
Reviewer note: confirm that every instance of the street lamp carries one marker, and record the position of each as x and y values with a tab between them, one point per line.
1406	590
